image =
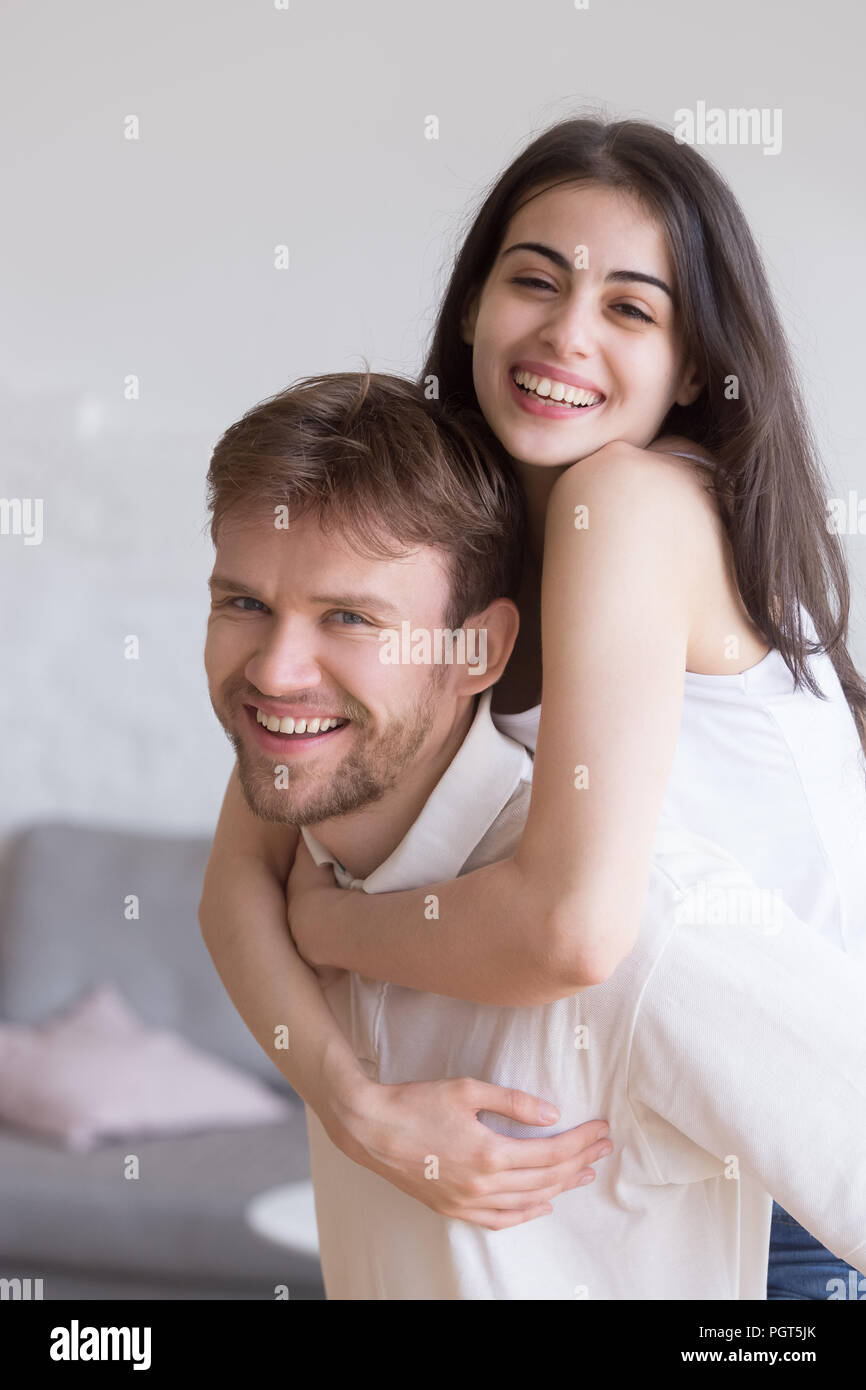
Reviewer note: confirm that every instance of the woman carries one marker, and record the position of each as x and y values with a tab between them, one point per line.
693	663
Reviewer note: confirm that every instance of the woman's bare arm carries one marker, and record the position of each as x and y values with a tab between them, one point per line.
486	1178
626	546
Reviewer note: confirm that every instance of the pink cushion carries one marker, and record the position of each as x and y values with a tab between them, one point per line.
96	1072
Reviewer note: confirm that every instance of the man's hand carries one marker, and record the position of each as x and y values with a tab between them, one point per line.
484	1178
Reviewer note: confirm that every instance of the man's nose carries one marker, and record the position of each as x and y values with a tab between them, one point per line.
286	660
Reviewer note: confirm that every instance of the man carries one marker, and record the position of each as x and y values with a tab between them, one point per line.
702	1046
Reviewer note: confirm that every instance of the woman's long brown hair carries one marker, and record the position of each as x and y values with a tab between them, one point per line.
769	482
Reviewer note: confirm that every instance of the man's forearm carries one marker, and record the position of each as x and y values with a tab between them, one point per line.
276	993
243	922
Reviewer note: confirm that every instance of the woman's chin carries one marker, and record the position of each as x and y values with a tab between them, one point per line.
534	453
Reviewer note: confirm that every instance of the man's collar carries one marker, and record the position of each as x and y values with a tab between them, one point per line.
481	777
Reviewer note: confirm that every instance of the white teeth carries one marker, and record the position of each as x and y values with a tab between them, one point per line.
547	388
295	726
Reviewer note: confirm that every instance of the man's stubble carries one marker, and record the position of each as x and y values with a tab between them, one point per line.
362	776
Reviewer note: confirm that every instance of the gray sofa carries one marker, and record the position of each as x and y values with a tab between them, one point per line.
70	1219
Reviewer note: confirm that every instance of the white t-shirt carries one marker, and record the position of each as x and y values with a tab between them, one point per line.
730	1061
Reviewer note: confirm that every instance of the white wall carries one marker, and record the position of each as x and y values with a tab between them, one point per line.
261	126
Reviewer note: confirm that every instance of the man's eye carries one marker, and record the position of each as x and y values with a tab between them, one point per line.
345	613
246	599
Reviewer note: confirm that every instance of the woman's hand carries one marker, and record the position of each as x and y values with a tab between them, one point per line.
479	1175
307	888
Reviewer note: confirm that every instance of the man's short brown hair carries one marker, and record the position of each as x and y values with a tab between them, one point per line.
387	469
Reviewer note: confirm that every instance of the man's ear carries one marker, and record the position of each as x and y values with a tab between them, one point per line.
691	385
467	322
490	638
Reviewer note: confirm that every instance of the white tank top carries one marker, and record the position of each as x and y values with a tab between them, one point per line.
775	776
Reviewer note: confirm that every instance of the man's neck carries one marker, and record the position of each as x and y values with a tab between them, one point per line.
364	839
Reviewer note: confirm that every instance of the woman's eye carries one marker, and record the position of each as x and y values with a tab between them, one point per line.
631	310
634	311
531	280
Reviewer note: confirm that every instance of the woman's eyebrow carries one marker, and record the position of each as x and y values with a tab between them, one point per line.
618	276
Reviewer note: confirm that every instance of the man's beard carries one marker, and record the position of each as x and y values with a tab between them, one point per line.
362	776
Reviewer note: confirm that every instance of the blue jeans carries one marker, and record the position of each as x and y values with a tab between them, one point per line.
800	1267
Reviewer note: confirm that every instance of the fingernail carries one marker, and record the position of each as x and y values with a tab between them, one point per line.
605	1150
587	1177
547	1112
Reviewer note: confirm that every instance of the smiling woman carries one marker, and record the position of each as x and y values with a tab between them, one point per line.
589	308
696	672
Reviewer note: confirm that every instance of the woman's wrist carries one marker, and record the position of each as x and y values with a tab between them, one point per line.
312	922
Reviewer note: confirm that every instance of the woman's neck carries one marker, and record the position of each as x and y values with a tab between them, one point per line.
537	485
519	686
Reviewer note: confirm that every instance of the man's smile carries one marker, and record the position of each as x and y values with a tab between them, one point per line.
289	735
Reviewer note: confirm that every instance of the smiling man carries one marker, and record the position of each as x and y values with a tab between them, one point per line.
359	728
300	609
390	520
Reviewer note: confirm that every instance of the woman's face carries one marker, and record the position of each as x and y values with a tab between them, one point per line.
565	302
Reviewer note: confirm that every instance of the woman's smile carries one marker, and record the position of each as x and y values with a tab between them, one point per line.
551	396
577	309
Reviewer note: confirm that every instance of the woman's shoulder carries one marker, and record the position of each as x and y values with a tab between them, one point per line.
656	475
676	497
671	454
724	640
650	510
681	447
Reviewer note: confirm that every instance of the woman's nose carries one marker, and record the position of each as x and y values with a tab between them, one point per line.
571	329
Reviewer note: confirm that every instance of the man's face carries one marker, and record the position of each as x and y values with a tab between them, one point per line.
294	634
